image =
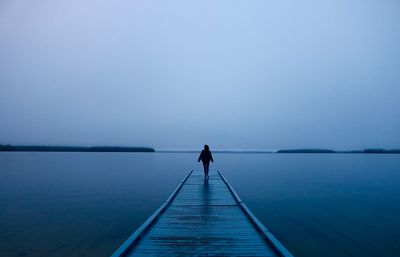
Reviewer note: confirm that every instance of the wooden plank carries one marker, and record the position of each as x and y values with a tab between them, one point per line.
203	218
199	230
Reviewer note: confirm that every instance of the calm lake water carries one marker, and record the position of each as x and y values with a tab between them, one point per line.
87	204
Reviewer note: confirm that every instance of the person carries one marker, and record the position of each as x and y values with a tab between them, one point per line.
206	157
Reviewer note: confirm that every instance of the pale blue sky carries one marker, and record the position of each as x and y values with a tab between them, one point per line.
170	74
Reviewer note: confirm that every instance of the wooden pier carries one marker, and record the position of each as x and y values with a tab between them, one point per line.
202	218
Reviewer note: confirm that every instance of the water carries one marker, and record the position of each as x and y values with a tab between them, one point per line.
87	204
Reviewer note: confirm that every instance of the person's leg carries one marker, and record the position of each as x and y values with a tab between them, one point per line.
205	169
207	166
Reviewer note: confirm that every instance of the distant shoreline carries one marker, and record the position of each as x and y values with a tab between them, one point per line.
39	148
365	151
34	148
292	151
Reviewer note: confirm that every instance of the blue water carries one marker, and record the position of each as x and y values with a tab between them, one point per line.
86	204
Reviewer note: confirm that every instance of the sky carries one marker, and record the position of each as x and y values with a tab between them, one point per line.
178	74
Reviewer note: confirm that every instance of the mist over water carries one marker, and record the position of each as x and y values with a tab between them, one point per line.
235	75
87	204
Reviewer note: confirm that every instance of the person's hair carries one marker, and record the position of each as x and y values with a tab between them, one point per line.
206	148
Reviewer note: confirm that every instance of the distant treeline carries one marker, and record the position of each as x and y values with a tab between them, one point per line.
381	151
373	151
41	148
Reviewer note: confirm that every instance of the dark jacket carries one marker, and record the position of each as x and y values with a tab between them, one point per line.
205	156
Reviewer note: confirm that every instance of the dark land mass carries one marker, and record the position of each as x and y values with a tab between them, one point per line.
366	151
41	148
378	150
305	150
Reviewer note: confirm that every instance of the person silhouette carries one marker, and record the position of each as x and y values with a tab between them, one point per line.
206	157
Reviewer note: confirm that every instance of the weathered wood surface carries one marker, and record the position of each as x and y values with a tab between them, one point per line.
202	218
